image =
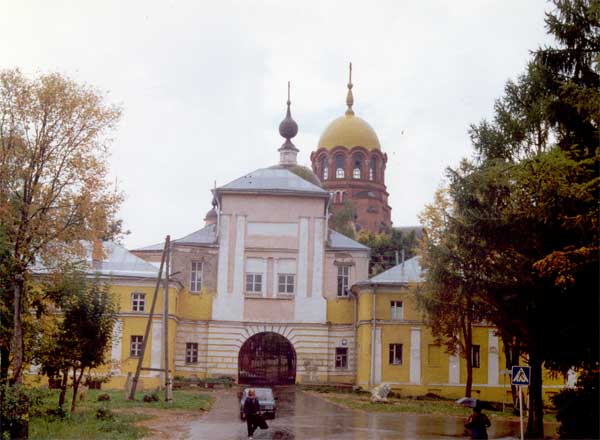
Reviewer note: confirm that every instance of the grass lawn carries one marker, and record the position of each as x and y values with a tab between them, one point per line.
121	415
363	402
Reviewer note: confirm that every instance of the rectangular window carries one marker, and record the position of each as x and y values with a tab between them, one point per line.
475	356
342	280
341	357
254	282
395	354
191	353
135	349
196	277
285	283
433	355
138	302
396	310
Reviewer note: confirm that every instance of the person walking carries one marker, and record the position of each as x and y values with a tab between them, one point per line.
252	413
478	423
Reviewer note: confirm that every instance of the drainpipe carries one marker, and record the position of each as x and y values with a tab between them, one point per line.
373	327
355	327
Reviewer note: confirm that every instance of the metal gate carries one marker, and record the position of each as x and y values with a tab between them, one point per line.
267	358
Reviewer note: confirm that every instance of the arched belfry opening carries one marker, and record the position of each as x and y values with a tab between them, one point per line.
267	358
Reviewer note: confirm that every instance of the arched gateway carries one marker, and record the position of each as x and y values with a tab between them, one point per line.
267	358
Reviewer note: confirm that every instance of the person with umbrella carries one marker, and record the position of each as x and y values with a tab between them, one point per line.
252	412
478	423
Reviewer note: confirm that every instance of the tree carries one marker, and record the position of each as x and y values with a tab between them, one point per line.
342	220
450	299
83	332
53	177
387	247
527	205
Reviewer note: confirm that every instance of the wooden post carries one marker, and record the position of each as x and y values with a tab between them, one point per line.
138	369
168	391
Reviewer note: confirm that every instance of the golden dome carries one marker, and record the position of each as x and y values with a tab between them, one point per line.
349	131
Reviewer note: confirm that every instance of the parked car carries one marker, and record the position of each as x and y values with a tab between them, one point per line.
266	401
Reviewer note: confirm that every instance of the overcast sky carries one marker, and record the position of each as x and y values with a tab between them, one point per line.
203	85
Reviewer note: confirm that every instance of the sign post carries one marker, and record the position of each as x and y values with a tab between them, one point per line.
520	377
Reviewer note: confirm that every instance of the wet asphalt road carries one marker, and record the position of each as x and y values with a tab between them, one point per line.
303	416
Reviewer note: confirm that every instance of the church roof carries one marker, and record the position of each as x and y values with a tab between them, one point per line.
117	262
274	180
408	272
339	241
206	235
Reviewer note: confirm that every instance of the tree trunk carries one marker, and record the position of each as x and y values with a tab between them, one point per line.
535	420
467	329
76	381
512	355
63	388
17	342
4	360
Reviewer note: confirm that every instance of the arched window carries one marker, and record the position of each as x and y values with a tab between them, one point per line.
324	168
372	166
357	166
339	166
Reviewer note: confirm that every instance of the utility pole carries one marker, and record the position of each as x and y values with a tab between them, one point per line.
168	389
139	368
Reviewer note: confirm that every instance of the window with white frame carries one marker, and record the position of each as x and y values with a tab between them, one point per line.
191	353
396	311
324	168
254	282
342	280
135	347
372	166
138	302
196	277
341	357
285	283
395	354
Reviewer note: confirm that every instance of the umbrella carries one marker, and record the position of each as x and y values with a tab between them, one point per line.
468	402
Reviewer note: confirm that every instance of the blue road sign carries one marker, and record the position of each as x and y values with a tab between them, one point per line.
520	375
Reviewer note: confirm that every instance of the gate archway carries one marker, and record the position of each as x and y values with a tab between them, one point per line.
267	358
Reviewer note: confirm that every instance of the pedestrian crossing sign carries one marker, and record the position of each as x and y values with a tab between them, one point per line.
520	375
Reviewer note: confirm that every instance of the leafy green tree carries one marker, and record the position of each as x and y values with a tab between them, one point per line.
527	207
82	335
388	247
450	298
343	219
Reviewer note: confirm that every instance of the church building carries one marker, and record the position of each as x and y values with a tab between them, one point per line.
265	292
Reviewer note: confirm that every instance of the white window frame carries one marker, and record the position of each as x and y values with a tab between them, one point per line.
196	276
288	284
341	358
339	173
343	280
191	353
371	173
255	281
394	350
138	302
356	174
396	311
135	346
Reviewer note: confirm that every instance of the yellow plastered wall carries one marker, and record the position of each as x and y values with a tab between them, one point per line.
340	311
197	306
363	360
395	334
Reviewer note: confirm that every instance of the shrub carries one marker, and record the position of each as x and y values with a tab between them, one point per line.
103	397
578	408
104	414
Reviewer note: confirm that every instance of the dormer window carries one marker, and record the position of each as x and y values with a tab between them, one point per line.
339	166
